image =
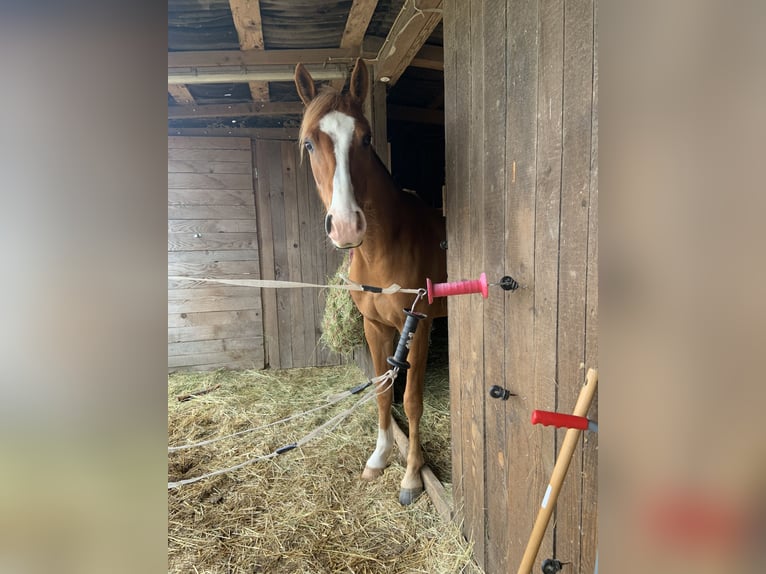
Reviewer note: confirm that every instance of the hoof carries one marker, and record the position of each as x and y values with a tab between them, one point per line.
409	495
370	474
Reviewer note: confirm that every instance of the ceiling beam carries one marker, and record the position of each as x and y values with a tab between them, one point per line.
358	20
410	31
233	74
212	58
247	21
235	110
356	25
181	94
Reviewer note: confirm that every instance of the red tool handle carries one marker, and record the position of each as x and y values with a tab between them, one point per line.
559	420
479	285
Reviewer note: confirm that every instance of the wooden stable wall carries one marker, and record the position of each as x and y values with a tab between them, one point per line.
522	199
294	247
229	220
212	233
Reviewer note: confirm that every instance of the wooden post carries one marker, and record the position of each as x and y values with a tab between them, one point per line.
571	439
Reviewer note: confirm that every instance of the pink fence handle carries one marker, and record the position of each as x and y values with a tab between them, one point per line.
559	420
457	288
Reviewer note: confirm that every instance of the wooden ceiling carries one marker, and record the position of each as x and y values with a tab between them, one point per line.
230	62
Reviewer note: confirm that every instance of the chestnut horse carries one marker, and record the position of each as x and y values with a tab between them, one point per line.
395	239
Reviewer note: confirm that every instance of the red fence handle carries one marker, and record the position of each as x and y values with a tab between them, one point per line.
457	288
559	420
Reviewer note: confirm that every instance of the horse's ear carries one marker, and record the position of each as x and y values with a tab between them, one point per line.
304	84
360	81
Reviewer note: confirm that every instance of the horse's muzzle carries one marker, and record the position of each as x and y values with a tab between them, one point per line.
346	229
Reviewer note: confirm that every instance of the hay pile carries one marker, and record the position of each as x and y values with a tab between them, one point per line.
342	324
305	511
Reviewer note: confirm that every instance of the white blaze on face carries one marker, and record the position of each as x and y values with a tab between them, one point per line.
348	222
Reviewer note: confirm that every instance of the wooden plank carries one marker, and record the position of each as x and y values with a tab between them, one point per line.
358	20
292	247
238	58
211	212
203	304
211	241
212	256
214	318
259	108
573	253
474	415
529	458
208	332
178	295
211	269
266	250
206	166
308	321
181	94
247	20
409	32
209	143
589	523
492	109
455	101
549	150
243	359
209	155
255	133
273	155
209	181
200	284
213	346
242	197
212	225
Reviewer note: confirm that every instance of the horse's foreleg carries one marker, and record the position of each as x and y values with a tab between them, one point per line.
412	483
380	340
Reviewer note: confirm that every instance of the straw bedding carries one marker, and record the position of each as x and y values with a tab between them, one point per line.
306	511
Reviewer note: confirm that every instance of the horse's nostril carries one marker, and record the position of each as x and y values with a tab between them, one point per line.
328	223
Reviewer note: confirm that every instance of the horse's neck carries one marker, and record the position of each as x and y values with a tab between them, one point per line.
384	215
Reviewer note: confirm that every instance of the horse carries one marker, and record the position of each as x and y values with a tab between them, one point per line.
394	237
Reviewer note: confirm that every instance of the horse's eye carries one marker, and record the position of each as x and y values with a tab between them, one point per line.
308	145
366	140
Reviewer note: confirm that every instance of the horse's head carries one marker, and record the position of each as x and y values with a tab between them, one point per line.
337	136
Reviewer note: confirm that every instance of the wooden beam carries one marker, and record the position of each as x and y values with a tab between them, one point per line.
234	74
247	21
235	110
255	133
429	57
410	31
215	58
415	115
356	27
180	93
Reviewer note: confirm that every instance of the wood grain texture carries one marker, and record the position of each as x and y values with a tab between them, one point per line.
456	124
247	20
212	232
181	94
529	451
521	196
493	165
407	35
573	252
